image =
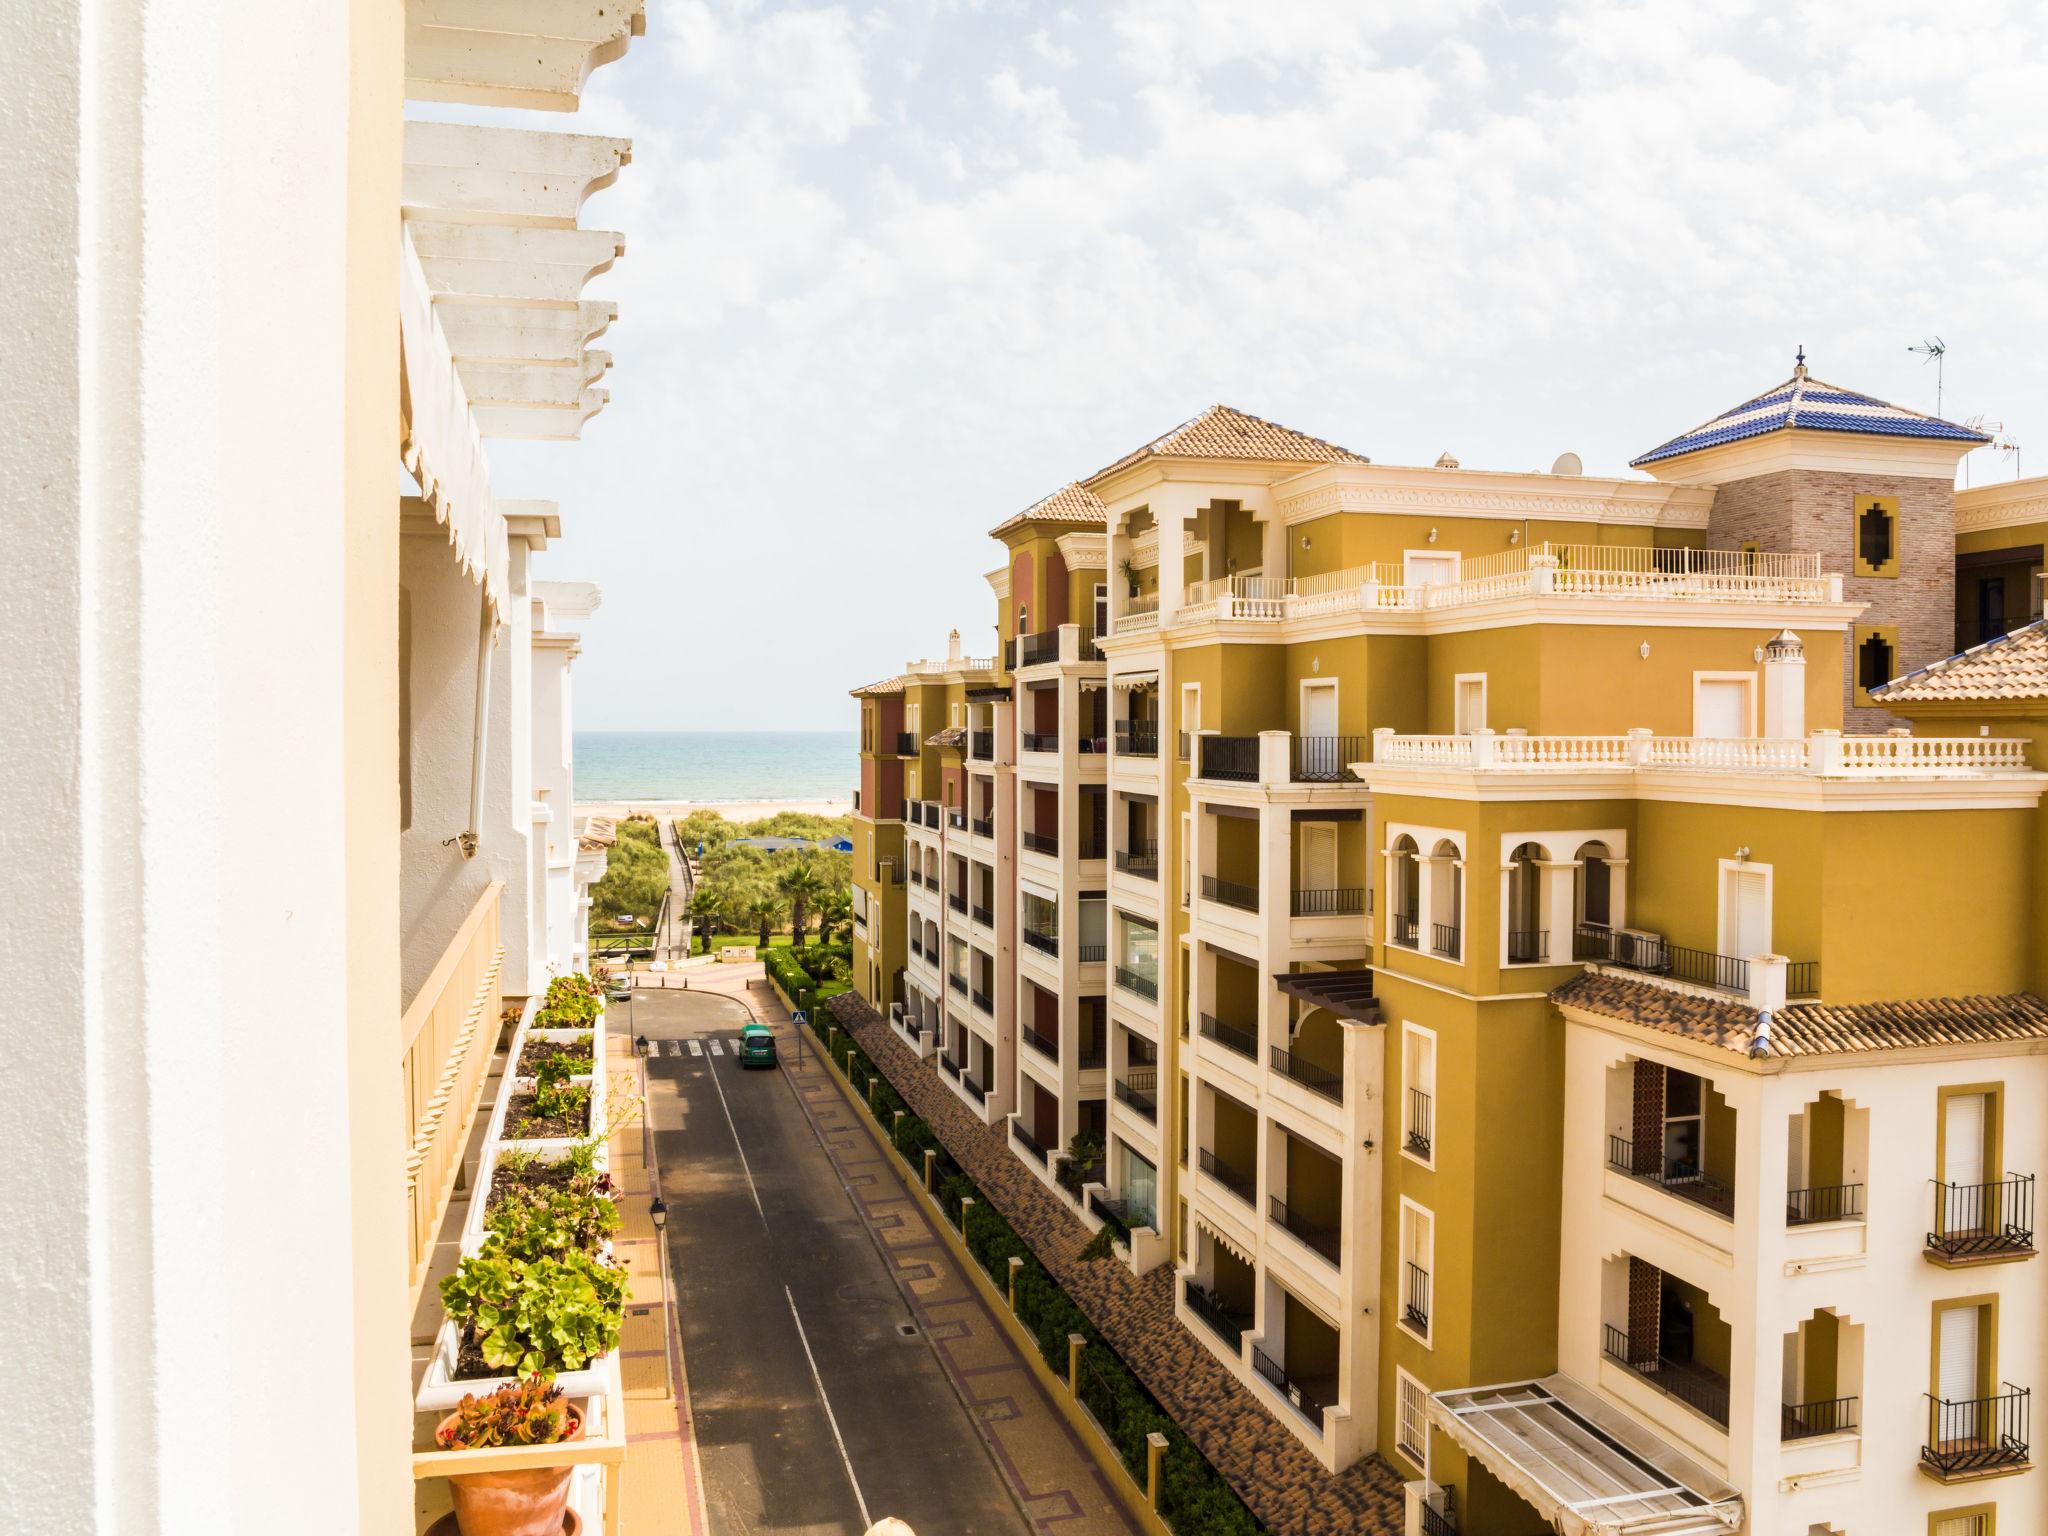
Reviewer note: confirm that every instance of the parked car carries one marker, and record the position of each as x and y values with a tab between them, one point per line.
757	1046
620	987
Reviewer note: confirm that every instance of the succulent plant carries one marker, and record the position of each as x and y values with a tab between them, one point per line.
530	1411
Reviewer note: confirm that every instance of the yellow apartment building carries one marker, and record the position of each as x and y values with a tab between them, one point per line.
1562	1011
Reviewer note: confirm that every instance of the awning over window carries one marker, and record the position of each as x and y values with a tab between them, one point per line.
1125	682
1586	1467
1348	994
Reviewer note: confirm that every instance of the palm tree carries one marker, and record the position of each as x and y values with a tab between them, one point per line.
707	908
764	912
834	907
800	886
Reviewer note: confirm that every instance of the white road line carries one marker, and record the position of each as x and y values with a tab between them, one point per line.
675	1047
718	1047
744	1168
696	1048
830	1417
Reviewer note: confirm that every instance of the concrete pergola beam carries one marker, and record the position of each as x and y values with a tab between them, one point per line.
490	262
540	423
496	384
499	333
514	53
460	173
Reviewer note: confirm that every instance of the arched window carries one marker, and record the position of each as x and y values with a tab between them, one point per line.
1596	886
1405	910
1528	940
1446	901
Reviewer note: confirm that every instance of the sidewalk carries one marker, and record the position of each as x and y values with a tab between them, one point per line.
1056	1481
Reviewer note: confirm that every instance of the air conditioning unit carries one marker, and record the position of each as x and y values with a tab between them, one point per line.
1639	949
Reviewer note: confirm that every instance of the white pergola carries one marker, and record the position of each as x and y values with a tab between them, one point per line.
1586	1467
514	53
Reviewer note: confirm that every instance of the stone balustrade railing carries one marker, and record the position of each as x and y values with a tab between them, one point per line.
1823	754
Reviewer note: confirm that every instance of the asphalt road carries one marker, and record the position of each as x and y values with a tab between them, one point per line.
819	1407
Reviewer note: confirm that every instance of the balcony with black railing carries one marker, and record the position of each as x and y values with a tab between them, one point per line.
975	1091
1309	1399
1040	741
981	746
1115	1214
956	818
1312	1077
983	916
1093	1056
1228	759
1037	649
1655	956
985	827
1975	1222
1245	1042
1973	1437
1685	1381
983	1002
1145	986
949	1066
1528	946
1226	1324
1421	1123
1044	943
1230	893
1140	859
1233	1178
1138	738
1094	847
1438	1522
1824	1202
1046	1045
1647	1162
1326	759
906	744
1323	1237
1139	1088
1041	842
1415	1301
957	983
1446	941
1806	1421
1330	901
958	902
1026	1140
1092	954
1404	930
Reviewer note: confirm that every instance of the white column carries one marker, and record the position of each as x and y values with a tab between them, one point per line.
1172	561
1560	889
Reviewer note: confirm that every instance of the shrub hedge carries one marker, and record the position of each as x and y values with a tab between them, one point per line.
801	972
1194	1499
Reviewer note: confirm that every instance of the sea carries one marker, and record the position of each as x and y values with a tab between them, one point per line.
715	766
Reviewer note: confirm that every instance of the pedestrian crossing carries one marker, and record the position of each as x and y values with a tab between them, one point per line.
701	1045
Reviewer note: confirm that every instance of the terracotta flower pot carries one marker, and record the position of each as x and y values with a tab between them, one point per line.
523	1503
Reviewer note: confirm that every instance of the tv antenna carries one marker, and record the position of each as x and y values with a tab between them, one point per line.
2001	443
1933	350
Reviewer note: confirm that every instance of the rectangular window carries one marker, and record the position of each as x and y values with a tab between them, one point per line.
1411	1420
1877	535
1875	660
1418	1080
1426	568
1966	1120
1102	608
1722	706
1418	1258
1977	1521
1745	910
1469	704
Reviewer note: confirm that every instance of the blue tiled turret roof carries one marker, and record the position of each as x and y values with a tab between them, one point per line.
1807	403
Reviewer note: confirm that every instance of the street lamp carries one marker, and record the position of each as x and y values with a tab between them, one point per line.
640	1044
659	1211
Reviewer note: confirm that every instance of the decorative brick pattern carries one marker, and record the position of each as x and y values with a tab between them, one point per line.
1645	1308
1815	509
1273	1472
1648	1127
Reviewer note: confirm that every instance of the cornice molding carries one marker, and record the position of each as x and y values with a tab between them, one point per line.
2010	505
999	581
1495	502
1084	551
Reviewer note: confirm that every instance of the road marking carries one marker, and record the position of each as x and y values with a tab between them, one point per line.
830	1417
744	1167
696	1048
718	1047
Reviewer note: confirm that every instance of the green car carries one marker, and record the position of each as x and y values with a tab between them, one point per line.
757	1046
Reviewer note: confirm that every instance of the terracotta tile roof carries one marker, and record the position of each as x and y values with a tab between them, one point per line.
1290	1492
1222	432
952	736
1071	503
1809	1029
2012	667
886	685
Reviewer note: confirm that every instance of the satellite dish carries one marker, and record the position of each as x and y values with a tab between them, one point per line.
1568	464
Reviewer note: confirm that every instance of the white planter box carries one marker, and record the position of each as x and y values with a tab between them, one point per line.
486	1166
501	1130
440	1391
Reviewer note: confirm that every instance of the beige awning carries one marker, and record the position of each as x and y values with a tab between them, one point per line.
1583	1464
1223	1239
1127	682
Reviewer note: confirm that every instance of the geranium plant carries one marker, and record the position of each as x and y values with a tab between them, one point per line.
556	1312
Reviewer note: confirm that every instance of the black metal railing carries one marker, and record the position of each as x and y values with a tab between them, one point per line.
1073	1177
1243	1041
1977	1434
1044	646
1824	1202
1094	848
1421	1122
983	916
1312	1077
1971	1220
983	1001
1114	1213
1308	1400
1438	1522
1140	859
1230	893
1592	941
1139	1088
958	984
1042	842
1027	1141
1132	981
981	744
1041	741
1802	1421
1138	738
916	950
1802	978
949	1066
1404	930
1232	758
1330	901
1047	1046
1415	1305
1326	759
958	903
1682	1380
956	818
1528	946
1226	1325
1325	1238
975	1091
1093	1055
1241	1184
1049	943
1093	954
906	744
1445	940
1646	1161
985	827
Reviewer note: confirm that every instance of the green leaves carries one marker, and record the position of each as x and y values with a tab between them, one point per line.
551	1313
530	1411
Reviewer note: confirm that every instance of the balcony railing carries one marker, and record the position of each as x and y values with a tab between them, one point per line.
983	1001
949	1066
1326	1239
1093	848
1041	741
1802	1421
1825	1202
1977	1220
1241	1184
1330	901
981	745
1977	1434
1438	1522
1327	759
983	916
1114	1213
1243	1041
956	818
1415	1305
1027	1141
1034	650
1138	738
1309	1400
1225	1324
1421	1122
958	984
1135	981
1528	946
1042	842
986	827
1445	940
1139	1088
1093	954
1090	745
958	903
449	1032
1646	1161
1824	754
1046	1045
1093	1055
1045	943
1140	859
1230	893
1312	1077
975	1091
1232	759
906	744
1682	1380
1404	930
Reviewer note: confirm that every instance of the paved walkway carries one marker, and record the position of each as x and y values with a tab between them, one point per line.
1271	1469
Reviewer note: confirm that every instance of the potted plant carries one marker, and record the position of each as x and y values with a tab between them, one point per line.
527	1501
1126	569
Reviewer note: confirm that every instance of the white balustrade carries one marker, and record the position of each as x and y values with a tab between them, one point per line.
1826	754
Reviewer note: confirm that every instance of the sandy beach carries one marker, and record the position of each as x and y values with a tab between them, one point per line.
731	810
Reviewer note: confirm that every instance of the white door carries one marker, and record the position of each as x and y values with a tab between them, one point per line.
1470	705
1318	856
1720	709
1431	570
1956	1381
1963	1139
1319	709
1749	914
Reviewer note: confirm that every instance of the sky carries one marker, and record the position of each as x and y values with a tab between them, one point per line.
895	271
